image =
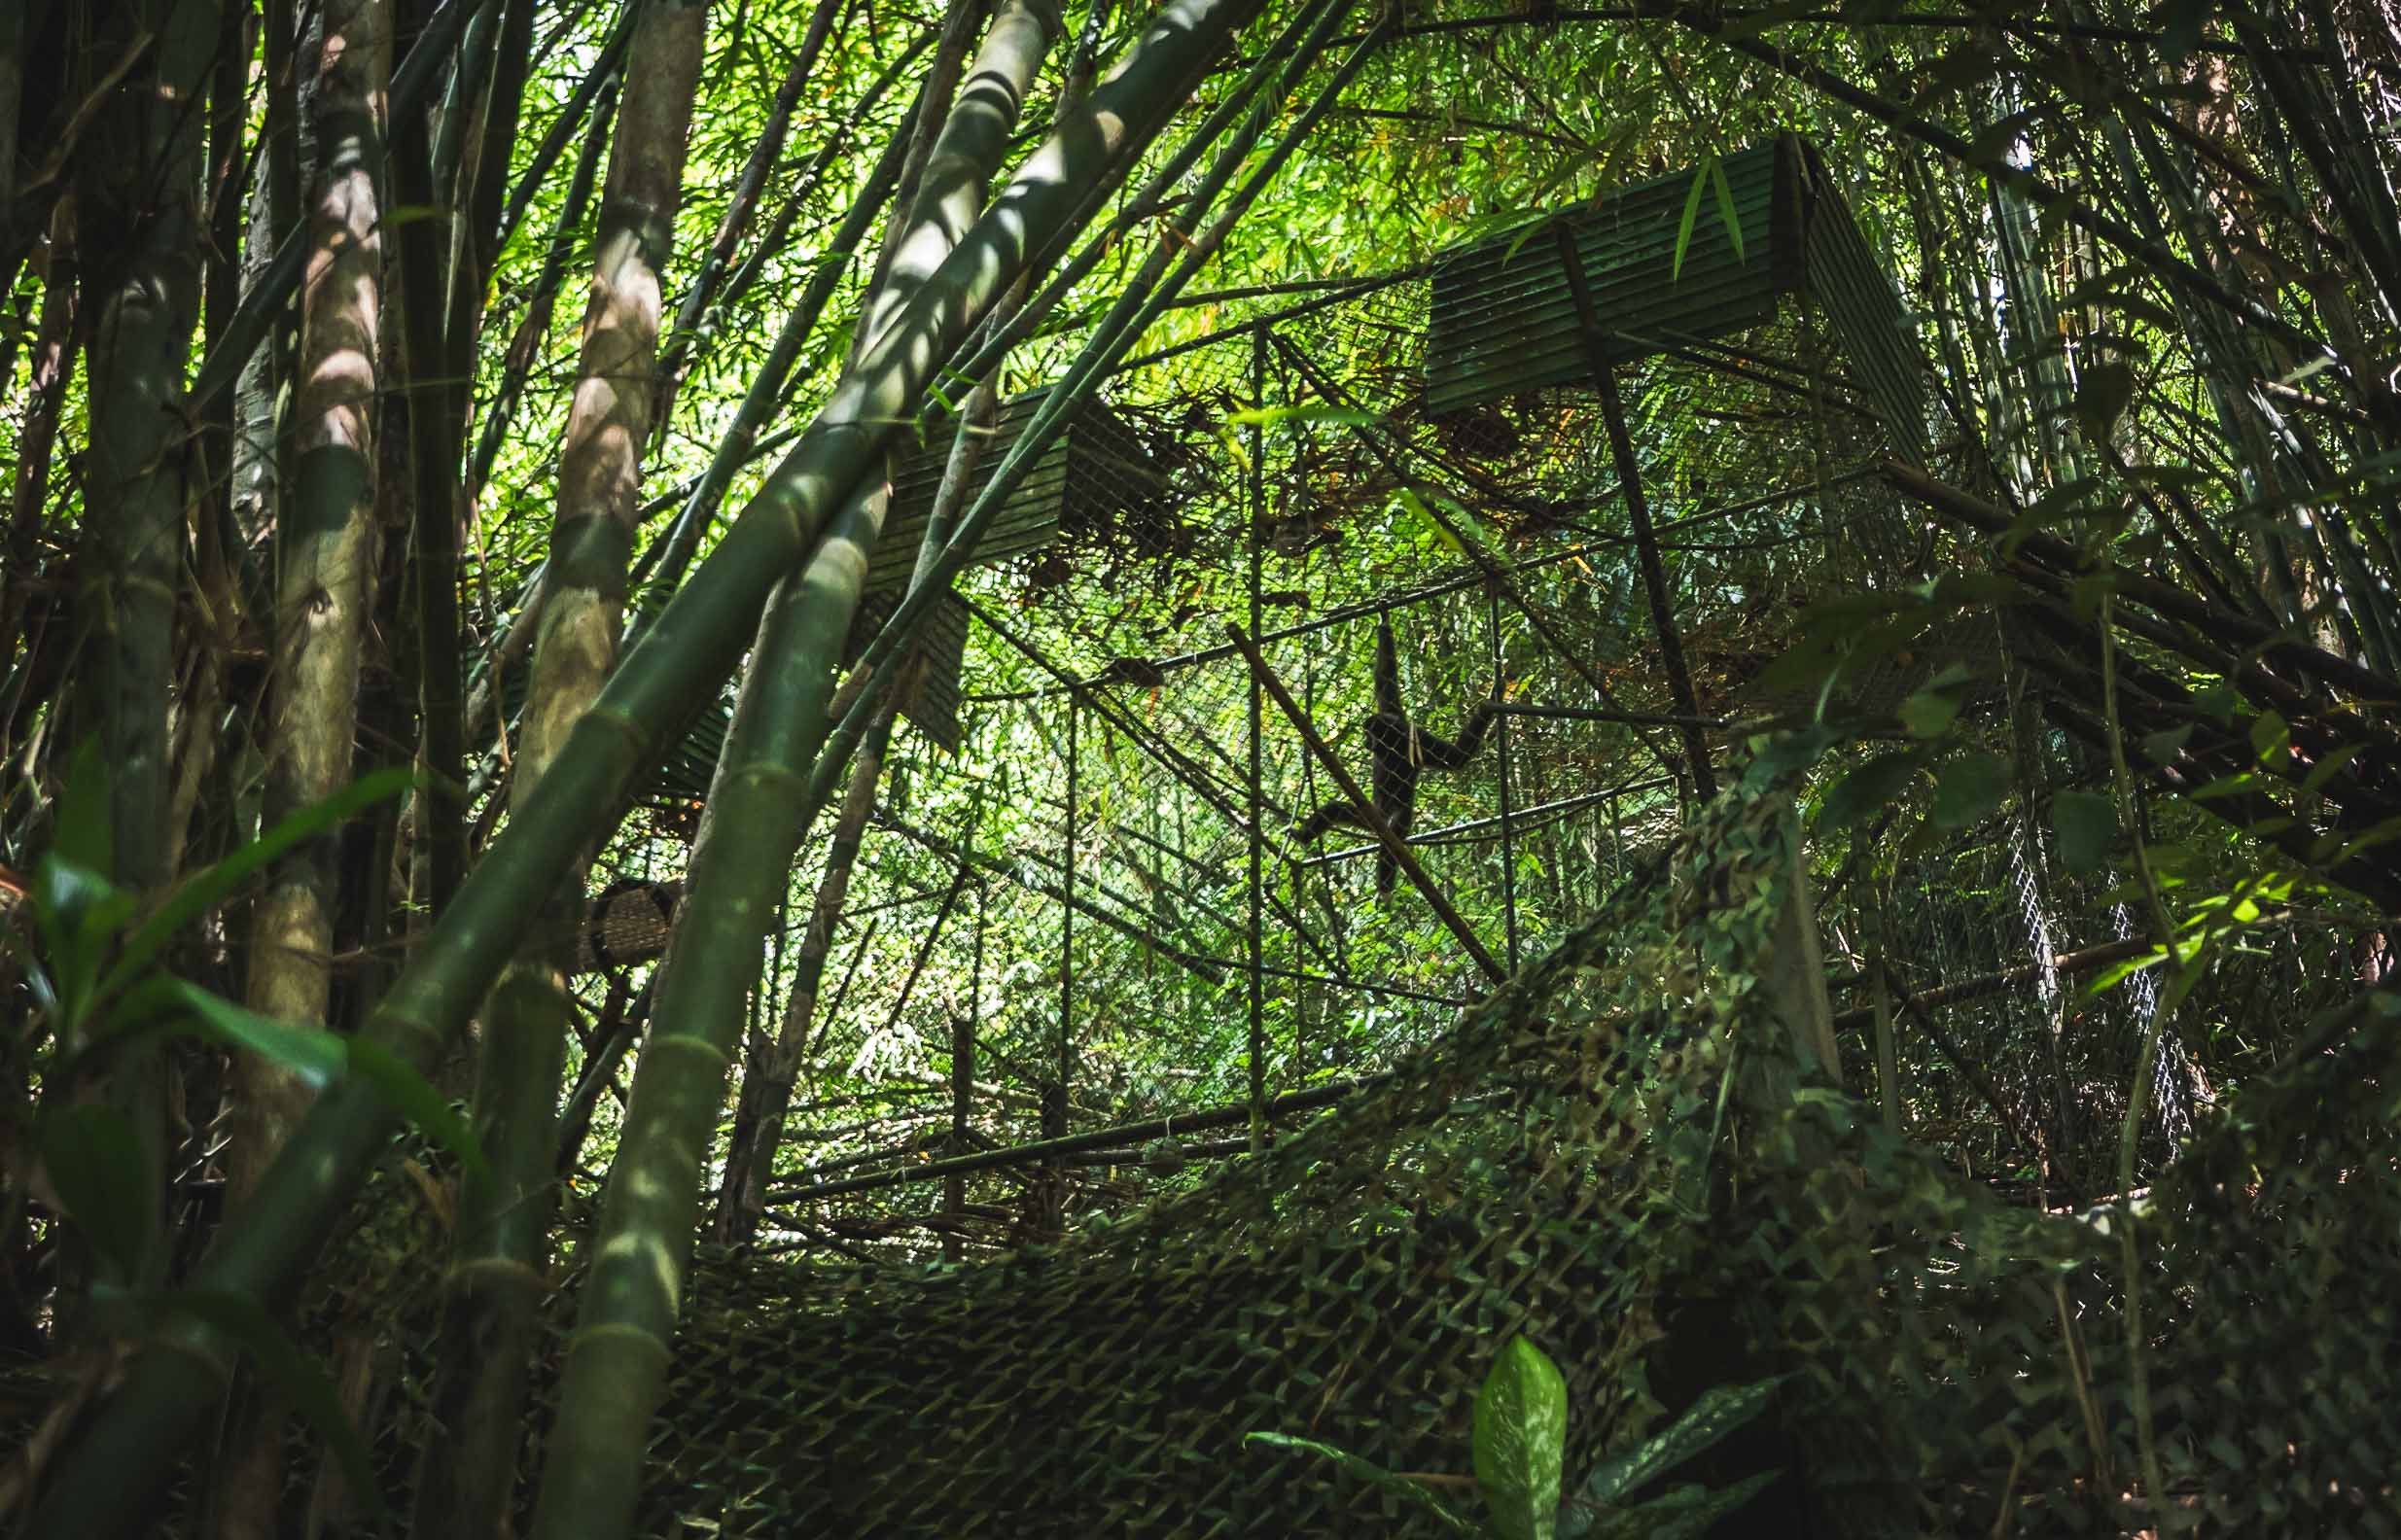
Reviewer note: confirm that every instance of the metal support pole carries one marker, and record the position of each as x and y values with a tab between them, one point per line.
1054	1123
1630	480
1257	493
1501	735
963	1023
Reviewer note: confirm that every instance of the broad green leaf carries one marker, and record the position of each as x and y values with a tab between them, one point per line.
210	888
1693	210
1929	712
1521	1440
1868	789
93	1160
1968	788
1399	1486
2218	700
2085	821
281	1363
2162	746
1777	756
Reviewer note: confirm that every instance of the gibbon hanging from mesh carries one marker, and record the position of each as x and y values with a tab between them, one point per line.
1398	750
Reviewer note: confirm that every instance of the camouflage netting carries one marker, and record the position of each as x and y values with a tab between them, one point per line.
1617	1156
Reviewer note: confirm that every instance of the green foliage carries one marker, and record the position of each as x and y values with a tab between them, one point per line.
2086	822
1521	1435
1601	1510
1519	1445
1709	175
100	975
1409	1490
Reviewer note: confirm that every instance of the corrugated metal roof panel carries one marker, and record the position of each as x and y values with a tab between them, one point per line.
933	706
1503	317
1094	470
1859	301
1028	520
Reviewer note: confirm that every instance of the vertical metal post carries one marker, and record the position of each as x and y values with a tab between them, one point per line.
1501	731
1258	495
1051	1193
962	1087
1646	540
1055	1122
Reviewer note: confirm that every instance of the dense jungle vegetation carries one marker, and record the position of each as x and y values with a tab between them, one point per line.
858	766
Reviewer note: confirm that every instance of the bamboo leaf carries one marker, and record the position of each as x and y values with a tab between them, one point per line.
312	1053
281	1363
213	886
1725	205
414	1099
1312	412
93	1160
1693	210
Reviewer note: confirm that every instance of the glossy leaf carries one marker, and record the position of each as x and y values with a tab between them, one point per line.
1520	1438
1409	1492
1719	1411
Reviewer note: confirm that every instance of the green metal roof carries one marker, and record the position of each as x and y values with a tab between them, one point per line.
1503	317
1093	468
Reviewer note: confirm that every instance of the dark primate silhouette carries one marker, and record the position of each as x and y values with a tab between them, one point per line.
1398	749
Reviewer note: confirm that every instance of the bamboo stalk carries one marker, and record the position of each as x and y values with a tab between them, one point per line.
615	1361
104	1482
468	1471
